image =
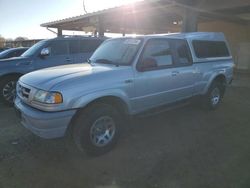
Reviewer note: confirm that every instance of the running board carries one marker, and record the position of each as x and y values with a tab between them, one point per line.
162	109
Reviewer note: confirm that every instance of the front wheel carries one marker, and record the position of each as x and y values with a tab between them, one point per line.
8	90
96	129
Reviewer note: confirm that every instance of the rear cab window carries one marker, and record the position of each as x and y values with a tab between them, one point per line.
210	49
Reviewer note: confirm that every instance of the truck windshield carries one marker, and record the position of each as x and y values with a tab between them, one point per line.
33	49
117	51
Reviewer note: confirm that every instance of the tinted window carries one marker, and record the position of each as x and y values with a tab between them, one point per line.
182	51
13	54
206	49
74	47
5	53
89	45
20	52
59	47
160	51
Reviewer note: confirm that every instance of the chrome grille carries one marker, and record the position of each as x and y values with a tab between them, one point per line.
23	91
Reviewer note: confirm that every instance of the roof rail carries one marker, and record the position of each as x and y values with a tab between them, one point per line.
65	36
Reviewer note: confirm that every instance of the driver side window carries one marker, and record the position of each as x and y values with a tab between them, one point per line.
59	47
160	51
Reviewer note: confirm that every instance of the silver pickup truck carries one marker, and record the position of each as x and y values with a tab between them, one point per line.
124	77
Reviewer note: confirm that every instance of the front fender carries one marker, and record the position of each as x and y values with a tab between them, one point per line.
4	70
2	73
84	100
14	69
9	73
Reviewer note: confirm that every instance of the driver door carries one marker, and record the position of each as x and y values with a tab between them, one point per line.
161	84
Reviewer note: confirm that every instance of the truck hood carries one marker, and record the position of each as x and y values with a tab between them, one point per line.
49	78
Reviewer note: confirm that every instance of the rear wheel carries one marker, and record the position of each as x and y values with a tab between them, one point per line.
214	95
8	89
96	129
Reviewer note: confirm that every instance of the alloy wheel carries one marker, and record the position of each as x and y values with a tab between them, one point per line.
9	91
102	131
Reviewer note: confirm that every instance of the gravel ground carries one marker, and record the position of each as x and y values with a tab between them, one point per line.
183	148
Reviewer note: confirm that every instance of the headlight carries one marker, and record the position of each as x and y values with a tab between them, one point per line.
48	97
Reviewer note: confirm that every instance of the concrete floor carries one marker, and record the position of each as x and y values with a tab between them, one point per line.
184	148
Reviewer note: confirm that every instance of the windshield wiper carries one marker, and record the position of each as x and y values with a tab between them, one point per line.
106	61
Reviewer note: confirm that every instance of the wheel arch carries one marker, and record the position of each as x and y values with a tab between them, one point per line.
221	78
113	100
14	74
116	101
7	98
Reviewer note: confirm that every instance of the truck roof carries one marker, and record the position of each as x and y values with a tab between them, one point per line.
213	36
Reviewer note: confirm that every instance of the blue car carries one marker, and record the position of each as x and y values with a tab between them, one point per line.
5	48
12	52
46	53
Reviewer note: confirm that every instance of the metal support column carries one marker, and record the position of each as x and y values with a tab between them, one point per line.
100	27
59	32
190	21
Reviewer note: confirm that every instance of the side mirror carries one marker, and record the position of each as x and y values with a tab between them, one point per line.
147	63
44	52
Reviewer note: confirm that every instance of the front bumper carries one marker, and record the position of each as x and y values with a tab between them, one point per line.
44	124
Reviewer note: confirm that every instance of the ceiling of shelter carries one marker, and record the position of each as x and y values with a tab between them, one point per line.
223	4
242	12
156	15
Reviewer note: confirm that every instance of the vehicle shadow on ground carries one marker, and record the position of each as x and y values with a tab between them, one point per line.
62	147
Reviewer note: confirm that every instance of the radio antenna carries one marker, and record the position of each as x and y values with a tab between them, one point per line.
84	7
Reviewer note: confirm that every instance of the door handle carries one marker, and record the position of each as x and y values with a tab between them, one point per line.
68	59
175	73
26	63
196	71
128	81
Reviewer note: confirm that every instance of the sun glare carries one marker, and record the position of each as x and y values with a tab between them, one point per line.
109	3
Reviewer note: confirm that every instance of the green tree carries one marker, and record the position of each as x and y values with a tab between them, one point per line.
21	38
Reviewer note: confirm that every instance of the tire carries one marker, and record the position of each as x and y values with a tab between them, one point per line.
214	95
8	90
90	129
